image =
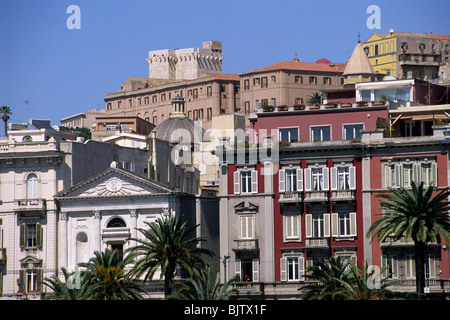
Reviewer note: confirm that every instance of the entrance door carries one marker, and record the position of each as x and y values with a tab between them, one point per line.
119	254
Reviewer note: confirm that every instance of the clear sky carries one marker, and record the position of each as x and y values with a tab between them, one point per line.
63	71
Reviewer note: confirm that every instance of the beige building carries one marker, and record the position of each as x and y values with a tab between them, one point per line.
83	119
287	83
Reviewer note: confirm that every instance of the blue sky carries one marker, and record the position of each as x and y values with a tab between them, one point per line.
62	71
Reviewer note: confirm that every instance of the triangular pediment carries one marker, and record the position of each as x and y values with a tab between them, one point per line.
30	259
113	182
246	207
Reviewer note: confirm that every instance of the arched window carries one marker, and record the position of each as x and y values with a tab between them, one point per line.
32	186
27	139
116	223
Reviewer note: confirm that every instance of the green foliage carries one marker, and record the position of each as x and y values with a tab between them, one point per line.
315	98
205	285
84	132
71	289
5	112
167	243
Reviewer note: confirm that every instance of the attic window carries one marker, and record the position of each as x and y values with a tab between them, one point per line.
116	223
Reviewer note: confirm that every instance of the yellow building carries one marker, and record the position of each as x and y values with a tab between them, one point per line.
382	52
409	55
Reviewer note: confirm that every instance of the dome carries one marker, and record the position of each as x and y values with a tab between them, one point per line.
174	130
323	60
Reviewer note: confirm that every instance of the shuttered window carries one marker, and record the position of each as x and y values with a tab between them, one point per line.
292	269
245	182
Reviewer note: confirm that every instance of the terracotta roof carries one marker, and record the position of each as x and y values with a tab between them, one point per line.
303	66
224	76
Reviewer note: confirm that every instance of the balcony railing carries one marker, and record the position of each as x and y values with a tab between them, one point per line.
320	196
29	205
390	241
246	245
290	197
317	243
342	195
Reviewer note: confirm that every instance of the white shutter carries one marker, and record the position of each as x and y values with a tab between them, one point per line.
387	176
254	181
352	178
333	178
335	225
353	226
326	179
416	173
434	175
326	225
283	269
236	182
255	269
238	268
398	175
308	225
299	180
308	179
301	268
281	180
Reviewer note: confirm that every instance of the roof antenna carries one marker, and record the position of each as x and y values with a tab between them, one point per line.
359	38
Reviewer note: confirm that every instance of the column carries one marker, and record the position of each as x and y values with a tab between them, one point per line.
133	226
63	238
97	230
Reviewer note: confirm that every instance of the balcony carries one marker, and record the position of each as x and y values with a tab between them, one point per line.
343	195
317	243
316	196
390	242
246	245
2	256
290	197
30	205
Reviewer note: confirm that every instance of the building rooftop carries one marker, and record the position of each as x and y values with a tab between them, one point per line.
301	66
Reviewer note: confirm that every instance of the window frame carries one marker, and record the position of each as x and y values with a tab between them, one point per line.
321	127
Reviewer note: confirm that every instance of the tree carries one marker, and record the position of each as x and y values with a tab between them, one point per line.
364	284
107	276
315	98
167	243
5	111
416	215
75	287
84	132
328	277
205	285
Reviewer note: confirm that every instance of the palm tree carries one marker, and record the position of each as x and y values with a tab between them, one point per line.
205	285
416	215
167	243
363	284
71	289
108	278
5	111
327	277
315	98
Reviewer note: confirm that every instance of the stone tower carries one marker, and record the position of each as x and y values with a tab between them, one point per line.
184	64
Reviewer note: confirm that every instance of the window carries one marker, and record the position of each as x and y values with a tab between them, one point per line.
209	91
390	262
343	178
317	225
292	268
273	79
343	224
292	227
30	280
32	186
316	179
352	131
245	181
209	114
403	173
410	266
290	180
273	101
27	139
326	80
256	81
31	235
247	84
247	270
321	133
312	80
264	82
288	134
247	227
298	79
